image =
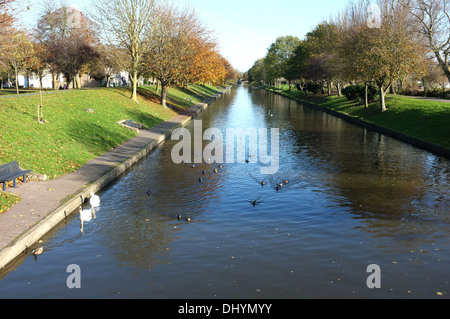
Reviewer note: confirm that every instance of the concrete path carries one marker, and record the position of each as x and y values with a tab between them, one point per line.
46	204
430	99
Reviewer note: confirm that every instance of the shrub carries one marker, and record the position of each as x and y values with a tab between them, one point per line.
314	87
357	92
350	92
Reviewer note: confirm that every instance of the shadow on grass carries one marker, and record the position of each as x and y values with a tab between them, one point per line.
124	91
202	90
146	119
177	103
148	94
95	138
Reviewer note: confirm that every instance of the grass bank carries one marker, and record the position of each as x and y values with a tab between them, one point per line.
426	120
74	135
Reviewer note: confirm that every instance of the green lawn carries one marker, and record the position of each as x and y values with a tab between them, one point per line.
71	136
427	120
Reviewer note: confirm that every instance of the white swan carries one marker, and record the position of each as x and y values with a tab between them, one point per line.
85	216
94	200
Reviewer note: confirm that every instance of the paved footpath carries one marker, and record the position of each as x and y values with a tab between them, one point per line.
45	204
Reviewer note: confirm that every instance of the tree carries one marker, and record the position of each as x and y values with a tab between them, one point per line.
36	61
104	66
278	56
318	71
179	46
355	53
19	51
394	50
71	55
297	64
6	19
323	43
68	38
126	25
383	55
205	65
432	77
3	73
258	72
433	17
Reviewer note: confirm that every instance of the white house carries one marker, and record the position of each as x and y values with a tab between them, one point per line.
32	81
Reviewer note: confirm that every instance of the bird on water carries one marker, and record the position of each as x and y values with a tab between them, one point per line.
38	251
94	200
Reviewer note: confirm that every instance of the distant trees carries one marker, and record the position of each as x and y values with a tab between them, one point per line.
353	49
174	41
161	41
140	37
258	72
6	20
18	54
278	57
68	38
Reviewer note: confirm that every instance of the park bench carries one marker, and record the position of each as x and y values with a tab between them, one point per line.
10	172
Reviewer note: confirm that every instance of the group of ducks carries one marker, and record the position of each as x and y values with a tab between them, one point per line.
278	187
85	215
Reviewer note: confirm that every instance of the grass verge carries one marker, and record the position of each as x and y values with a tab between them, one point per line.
427	120
74	135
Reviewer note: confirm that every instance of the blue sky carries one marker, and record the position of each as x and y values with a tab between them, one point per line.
246	28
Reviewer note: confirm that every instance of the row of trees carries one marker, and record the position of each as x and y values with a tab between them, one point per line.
146	38
384	45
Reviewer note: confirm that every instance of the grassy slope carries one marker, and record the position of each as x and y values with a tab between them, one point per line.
72	137
424	119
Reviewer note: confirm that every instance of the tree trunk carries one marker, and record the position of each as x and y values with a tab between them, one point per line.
17	80
134	82
78	80
366	95
53	80
68	80
339	88
163	94
41	80
382	98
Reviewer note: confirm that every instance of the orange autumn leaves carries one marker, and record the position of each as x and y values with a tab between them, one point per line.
182	51
206	66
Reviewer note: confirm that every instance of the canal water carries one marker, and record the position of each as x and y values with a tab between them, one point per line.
355	198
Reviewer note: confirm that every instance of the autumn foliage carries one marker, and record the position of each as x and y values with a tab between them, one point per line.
181	51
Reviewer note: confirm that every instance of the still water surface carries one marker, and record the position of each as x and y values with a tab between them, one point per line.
354	198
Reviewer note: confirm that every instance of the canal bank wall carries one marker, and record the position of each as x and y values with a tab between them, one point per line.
47	204
425	145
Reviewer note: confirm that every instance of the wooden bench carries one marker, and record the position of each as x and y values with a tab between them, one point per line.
10	172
